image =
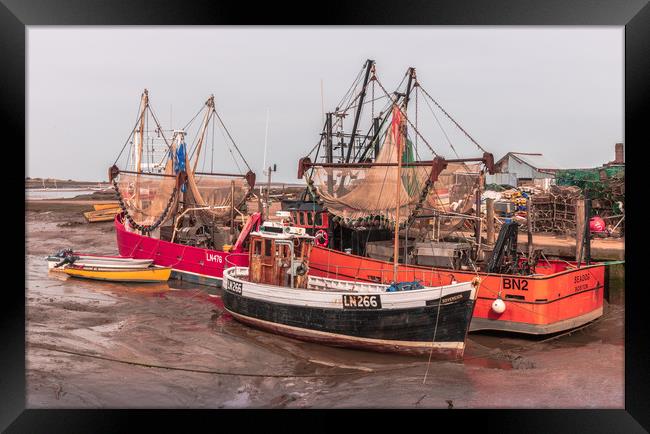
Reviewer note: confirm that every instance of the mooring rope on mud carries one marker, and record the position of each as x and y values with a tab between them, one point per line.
203	371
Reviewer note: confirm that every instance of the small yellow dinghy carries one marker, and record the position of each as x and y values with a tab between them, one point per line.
101	206
102	215
151	274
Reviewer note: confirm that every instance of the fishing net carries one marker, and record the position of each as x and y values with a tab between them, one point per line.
148	199
354	193
453	194
455	188
370	193
218	193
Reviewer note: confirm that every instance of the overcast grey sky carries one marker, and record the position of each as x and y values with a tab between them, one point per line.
555	90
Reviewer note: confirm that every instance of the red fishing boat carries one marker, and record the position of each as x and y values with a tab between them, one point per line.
193	264
174	214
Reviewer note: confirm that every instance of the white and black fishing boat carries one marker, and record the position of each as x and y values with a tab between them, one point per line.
277	294
65	257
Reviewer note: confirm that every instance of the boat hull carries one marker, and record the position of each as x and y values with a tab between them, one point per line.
107	262
419	322
149	275
193	264
553	301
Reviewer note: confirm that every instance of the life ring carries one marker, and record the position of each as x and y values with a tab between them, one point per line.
321	238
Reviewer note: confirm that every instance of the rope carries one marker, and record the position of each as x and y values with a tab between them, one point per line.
452	119
176	368
442	129
407	120
352	86
130	135
232	140
435	330
195	116
158	124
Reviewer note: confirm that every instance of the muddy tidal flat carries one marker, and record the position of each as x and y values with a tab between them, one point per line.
109	345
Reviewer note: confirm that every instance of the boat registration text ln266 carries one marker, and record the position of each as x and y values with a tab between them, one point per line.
233	286
361	301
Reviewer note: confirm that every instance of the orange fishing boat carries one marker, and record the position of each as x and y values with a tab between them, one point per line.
350	208
559	296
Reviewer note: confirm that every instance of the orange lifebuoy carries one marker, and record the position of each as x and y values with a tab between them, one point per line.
321	238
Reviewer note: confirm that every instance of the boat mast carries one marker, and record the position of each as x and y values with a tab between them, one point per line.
401	142
401	133
208	114
369	64
140	140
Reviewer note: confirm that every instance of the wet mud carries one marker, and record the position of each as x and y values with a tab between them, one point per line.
172	345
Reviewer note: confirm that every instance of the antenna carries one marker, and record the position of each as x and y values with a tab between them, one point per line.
266	136
322	100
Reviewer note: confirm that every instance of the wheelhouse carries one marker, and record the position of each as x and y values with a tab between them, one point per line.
279	255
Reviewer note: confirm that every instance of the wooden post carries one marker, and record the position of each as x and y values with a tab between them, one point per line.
580	228
587	234
232	207
268	192
489	204
529	221
477	231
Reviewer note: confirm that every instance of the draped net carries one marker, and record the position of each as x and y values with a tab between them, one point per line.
215	191
146	196
357	193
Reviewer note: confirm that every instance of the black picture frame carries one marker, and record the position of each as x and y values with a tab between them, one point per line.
16	15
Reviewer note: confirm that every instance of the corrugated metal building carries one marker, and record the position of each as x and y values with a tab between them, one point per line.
526	166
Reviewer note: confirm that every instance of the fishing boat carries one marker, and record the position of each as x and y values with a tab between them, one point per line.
277	293
346	207
558	296
67	256
142	275
173	210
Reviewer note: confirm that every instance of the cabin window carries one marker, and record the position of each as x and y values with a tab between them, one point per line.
257	249
302	218
318	219
310	218
267	248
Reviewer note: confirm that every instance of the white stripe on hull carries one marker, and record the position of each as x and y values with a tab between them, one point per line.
332	299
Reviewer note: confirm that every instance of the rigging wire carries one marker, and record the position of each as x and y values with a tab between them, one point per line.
195	116
353	86
139	116
407	120
453	120
231	139
441	128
